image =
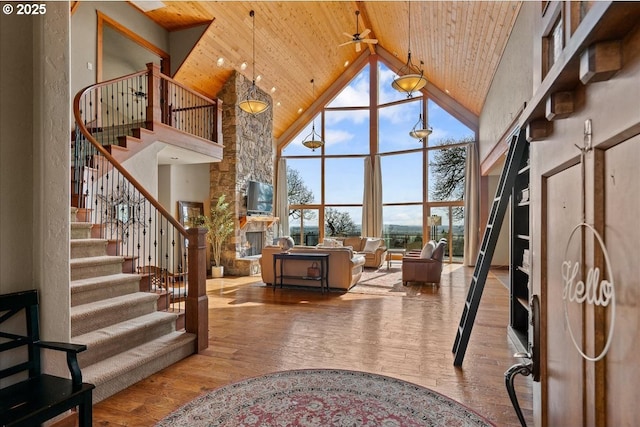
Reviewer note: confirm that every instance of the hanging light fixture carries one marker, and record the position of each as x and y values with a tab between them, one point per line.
313	140
419	131
410	78
251	104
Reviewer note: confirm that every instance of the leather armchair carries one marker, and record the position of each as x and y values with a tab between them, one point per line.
428	270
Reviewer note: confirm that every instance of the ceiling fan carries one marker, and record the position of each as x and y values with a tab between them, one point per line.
358	37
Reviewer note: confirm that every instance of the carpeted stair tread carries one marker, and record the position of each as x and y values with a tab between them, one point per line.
91	289
114	339
99	314
120	371
81	230
77	285
84	248
82	268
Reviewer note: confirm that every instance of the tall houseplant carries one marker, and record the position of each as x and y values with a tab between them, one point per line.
219	224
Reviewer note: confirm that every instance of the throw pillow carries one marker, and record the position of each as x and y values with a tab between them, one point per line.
427	251
371	245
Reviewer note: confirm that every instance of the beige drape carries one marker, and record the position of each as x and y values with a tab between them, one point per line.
471	205
372	198
282	199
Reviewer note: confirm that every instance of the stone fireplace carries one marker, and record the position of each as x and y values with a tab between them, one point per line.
254	244
248	155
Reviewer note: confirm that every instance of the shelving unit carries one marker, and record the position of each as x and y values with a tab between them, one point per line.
519	270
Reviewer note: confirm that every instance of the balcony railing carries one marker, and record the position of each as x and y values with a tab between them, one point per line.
119	107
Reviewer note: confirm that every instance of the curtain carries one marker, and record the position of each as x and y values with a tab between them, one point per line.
282	200
471	205
372	198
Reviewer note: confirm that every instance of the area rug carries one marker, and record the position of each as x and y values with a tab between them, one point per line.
381	281
323	397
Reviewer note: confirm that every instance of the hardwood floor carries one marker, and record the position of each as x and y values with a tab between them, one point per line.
253	331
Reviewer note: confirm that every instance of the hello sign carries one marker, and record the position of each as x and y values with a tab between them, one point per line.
591	291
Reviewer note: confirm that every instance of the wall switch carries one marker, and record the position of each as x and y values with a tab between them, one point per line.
89	66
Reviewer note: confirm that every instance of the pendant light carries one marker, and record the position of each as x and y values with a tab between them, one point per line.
410	78
251	104
419	131
313	140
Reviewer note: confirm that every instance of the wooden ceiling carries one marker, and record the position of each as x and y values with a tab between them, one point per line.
460	43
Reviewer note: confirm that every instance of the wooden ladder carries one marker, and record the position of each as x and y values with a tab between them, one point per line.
483	262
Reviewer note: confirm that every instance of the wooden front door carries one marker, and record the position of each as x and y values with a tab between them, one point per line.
577	391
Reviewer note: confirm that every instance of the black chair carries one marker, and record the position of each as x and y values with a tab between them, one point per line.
36	397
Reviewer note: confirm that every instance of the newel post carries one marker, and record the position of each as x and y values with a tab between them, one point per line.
154	109
197	305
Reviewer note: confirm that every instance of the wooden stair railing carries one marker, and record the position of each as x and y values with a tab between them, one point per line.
145	229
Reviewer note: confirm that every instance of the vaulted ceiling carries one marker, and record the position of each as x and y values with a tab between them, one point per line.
459	42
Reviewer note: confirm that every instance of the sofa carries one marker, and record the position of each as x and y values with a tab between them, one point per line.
372	248
345	266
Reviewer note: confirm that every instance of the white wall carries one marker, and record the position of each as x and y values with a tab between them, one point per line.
35	166
181	42
501	252
16	153
121	55
187	183
511	87
512	84
84	28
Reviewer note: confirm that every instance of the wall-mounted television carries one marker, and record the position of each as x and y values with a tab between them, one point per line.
259	198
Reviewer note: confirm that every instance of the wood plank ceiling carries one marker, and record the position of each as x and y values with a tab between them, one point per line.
460	43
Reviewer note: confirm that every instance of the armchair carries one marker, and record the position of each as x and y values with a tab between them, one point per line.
425	266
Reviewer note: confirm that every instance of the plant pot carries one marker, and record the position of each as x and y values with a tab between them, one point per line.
217	272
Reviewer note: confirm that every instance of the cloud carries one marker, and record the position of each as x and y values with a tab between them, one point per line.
386	92
338	136
353	116
356	94
401	114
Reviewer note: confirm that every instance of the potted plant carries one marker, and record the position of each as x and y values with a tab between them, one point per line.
219	224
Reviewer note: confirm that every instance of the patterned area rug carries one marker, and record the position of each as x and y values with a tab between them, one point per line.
323	397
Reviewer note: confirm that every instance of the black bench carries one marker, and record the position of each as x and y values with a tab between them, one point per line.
36	397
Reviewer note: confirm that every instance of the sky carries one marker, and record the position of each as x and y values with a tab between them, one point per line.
347	132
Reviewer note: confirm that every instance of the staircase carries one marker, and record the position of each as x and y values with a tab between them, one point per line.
127	338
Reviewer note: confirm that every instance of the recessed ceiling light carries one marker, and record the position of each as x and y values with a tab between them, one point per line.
447	91
258	78
300	110
243	66
273	89
220	62
346	63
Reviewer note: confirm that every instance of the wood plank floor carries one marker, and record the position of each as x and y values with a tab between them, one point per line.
253	331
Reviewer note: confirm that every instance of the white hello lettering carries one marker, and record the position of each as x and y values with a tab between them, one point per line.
592	291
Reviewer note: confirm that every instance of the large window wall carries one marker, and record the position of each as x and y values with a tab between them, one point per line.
421	183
